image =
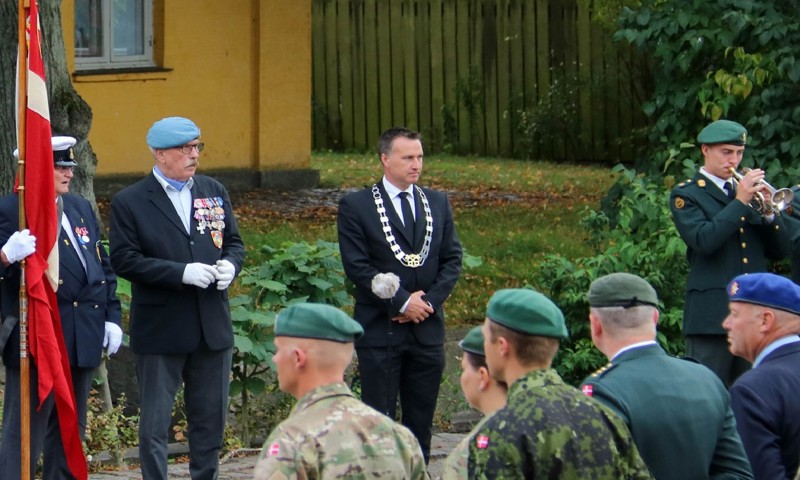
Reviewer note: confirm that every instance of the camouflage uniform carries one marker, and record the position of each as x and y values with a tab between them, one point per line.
455	465
552	430
331	434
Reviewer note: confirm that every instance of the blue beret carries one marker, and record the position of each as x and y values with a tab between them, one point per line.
318	321
723	131
527	311
172	132
473	342
766	289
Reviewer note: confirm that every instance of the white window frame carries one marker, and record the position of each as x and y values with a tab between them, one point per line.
108	59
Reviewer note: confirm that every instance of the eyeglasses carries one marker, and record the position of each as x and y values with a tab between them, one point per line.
187	149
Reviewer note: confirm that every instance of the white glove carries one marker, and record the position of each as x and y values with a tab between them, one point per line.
225	273
113	338
19	245
199	274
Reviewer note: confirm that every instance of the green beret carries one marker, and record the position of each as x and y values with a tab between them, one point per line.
319	321
621	290
473	342
526	311
723	131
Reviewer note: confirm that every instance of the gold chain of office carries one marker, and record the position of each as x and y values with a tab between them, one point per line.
411	260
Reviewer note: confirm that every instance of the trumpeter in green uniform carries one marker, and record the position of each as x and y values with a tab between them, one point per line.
725	237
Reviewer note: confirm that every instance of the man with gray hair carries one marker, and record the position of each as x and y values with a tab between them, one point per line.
678	411
762	328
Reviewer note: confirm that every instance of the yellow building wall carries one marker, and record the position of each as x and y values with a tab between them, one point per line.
241	69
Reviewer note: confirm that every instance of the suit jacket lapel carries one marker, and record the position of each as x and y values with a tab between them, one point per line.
68	257
162	202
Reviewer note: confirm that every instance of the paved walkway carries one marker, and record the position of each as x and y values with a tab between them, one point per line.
241	466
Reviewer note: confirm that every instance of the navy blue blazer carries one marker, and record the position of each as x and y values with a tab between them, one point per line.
365	253
86	297
150	247
765	403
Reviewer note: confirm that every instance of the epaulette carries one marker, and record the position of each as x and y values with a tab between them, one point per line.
690	359
602	370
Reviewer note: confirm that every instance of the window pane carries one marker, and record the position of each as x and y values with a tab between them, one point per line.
128	27
89	30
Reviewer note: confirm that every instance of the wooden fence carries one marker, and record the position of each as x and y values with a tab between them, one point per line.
526	78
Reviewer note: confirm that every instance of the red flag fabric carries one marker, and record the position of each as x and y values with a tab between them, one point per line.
46	340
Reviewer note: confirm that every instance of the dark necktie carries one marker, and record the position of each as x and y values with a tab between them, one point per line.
729	190
408	215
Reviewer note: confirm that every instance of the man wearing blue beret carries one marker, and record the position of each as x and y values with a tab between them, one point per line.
329	433
725	237
678	411
174	236
548	429
763	327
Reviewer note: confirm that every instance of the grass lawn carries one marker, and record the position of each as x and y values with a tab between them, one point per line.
511	213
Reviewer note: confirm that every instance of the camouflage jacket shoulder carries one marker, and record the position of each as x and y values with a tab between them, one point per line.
331	434
547	427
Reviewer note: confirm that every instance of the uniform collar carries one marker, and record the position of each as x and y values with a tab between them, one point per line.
774	346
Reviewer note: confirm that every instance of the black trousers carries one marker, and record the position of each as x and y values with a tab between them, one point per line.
411	370
206	377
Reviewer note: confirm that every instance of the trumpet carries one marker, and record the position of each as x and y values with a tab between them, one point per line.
778	201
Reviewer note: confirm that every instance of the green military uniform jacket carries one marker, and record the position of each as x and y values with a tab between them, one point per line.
724	238
551	430
678	411
330	434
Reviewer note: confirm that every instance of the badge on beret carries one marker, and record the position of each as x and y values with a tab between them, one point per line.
701	183
482	441
744	137
679	203
734	288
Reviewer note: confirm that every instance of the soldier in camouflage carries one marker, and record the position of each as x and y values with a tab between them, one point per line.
548	429
482	392
329	433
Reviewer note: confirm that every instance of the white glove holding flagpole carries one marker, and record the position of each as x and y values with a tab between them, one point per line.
113	338
225	274
19	245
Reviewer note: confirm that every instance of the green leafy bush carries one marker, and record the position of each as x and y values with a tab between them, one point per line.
292	273
735	59
643	241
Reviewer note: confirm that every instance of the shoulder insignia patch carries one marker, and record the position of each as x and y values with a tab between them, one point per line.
679	203
588	390
274	450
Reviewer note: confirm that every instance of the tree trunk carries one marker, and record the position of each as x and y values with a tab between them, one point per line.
69	114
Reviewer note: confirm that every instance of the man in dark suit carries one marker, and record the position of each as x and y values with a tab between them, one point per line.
725	236
397	227
174	236
762	328
678	411
89	311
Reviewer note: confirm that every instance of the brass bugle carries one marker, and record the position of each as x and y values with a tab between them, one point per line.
780	199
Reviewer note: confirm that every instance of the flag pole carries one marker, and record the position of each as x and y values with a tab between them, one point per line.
24	378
